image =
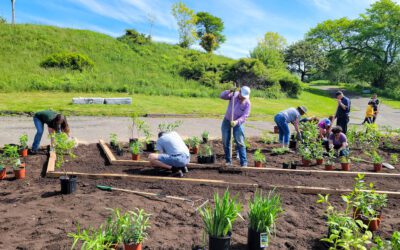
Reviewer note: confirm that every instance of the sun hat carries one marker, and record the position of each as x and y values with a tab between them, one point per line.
245	91
302	108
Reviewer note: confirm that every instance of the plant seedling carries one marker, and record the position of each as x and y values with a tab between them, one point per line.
330	157
194	142
279	151
113	139
258	156
168	127
376	158
205	134
267	138
394	159
305	152
62	146
23	141
136	224
263	212
136	147
11	156
218	220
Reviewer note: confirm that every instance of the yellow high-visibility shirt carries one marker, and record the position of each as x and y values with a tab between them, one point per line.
370	111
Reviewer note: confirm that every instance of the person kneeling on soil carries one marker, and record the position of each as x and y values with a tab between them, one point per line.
235	117
55	122
338	141
282	120
173	153
324	127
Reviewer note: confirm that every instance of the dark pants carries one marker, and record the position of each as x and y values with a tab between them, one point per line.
342	121
368	120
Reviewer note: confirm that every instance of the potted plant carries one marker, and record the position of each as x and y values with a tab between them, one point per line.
377	161
259	158
268	138
150	144
263	212
90	238
11	157
194	145
306	155
205	135
119	149
135	228
23	143
206	155
201	158
63	146
218	220
345	162
3	169
329	162
113	140
318	152
136	149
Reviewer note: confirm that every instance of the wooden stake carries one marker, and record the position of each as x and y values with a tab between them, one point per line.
51	163
107	151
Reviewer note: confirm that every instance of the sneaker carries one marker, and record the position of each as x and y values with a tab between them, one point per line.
228	164
244	166
185	170
178	174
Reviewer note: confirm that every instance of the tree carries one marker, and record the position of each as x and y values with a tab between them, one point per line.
371	42
186	19
13	11
209	30
305	58
2	20
270	50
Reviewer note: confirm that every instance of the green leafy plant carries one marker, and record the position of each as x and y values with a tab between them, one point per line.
279	151
135	226
345	159
194	142
305	152
136	147
394	159
113	139
268	138
258	156
63	145
68	60
263	211
218	220
23	141
206	150
11	156
205	134
168	127
329	159
317	151
92	239
392	244
376	158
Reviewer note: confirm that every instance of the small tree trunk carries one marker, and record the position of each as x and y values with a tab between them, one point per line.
13	11
379	81
303	75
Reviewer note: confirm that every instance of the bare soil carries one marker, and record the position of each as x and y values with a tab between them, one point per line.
36	216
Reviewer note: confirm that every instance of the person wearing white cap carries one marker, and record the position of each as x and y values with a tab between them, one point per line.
282	120
235	117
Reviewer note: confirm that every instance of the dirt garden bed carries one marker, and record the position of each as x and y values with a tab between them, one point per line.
36	216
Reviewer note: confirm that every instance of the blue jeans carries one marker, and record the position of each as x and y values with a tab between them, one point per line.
284	131
179	160
238	135
39	132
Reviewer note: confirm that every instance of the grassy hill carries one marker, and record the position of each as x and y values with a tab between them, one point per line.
148	69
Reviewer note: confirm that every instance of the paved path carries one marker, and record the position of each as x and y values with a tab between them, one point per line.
387	115
91	129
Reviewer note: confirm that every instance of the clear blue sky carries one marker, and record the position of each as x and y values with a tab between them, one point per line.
246	21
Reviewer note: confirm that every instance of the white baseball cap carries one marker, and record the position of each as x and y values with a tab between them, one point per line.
245	91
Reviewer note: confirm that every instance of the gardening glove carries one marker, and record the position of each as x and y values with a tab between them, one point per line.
234	123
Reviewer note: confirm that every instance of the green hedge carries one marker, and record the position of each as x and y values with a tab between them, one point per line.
68	60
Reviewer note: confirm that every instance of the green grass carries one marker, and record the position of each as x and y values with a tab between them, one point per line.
151	69
262	109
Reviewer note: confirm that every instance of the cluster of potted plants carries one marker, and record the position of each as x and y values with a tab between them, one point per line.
63	146
259	158
128	229
353	227
206	155
193	144
219	219
11	157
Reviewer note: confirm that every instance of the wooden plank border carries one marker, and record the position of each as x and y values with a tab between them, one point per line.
113	161
51	163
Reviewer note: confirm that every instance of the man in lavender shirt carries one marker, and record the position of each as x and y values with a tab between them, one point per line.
241	111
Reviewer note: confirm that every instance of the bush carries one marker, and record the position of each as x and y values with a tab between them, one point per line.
3	20
132	36
289	83
68	60
247	71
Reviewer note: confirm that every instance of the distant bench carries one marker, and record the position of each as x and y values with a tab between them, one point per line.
99	100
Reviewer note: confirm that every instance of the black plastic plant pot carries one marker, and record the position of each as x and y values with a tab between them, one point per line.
219	243
285	165
151	146
210	159
68	184
256	240
201	159
205	140
293	165
120	151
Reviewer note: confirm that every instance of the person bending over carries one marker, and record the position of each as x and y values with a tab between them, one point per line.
173	153
324	127
55	122
282	120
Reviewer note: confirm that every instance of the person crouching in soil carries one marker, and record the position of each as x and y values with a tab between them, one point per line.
282	120
240	100
173	153
338	141
325	126
55	122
